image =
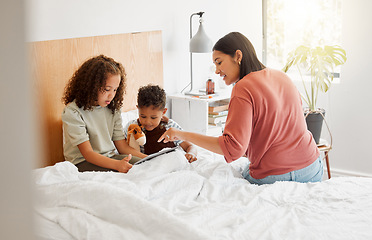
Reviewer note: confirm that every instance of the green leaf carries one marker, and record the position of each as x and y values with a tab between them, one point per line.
319	62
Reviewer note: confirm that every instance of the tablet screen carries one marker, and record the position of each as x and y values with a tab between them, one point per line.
151	156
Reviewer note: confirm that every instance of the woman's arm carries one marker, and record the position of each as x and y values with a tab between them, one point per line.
102	161
207	142
123	148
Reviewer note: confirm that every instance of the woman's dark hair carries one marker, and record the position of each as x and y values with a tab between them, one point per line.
90	78
237	41
151	95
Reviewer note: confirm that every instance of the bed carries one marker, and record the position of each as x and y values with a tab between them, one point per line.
169	198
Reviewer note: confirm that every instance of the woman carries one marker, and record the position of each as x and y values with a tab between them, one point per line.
265	120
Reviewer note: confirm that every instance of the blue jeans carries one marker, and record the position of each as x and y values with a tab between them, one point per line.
311	173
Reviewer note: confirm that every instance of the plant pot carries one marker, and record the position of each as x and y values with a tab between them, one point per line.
314	121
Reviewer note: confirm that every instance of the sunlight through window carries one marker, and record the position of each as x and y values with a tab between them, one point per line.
290	23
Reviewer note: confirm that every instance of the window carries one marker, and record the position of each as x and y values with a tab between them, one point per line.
290	23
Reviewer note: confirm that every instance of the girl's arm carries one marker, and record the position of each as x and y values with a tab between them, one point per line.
207	142
123	148
190	150
103	161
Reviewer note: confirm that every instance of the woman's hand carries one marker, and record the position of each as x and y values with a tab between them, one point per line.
172	134
208	142
123	165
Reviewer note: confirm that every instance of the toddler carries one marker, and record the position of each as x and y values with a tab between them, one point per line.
151	102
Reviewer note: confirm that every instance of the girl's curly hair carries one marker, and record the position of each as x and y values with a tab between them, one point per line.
151	95
90	78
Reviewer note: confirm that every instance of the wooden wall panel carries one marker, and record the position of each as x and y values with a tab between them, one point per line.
52	64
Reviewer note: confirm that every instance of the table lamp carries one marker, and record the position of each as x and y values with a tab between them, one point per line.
200	43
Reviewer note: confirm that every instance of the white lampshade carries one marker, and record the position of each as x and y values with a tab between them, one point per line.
201	43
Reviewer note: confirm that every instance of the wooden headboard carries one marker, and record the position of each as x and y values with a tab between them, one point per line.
52	64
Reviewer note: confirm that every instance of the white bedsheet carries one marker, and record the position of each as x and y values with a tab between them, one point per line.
168	198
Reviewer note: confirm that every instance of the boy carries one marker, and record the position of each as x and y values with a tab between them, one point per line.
151	101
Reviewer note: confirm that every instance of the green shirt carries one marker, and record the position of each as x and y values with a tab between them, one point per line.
98	126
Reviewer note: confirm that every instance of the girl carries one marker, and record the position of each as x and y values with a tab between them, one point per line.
265	121
92	124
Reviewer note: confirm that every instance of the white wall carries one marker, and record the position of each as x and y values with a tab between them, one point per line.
57	19
349	102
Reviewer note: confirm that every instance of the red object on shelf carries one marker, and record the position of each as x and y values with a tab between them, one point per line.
210	87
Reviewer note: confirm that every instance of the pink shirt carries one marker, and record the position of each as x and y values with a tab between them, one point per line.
266	123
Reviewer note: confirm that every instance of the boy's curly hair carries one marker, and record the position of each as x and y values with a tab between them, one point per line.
151	95
90	78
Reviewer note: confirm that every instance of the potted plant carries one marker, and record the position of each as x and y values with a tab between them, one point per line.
319	62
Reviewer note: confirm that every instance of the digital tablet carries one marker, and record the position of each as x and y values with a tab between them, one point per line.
151	156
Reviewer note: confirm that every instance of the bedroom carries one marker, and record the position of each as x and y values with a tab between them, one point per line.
48	20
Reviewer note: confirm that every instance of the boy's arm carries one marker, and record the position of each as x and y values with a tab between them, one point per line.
190	150
97	159
123	148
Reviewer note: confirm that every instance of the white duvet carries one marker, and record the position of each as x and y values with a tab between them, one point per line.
168	198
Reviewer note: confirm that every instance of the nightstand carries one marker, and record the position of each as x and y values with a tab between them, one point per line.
191	112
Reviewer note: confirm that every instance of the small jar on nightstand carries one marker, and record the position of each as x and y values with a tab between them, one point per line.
209	86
